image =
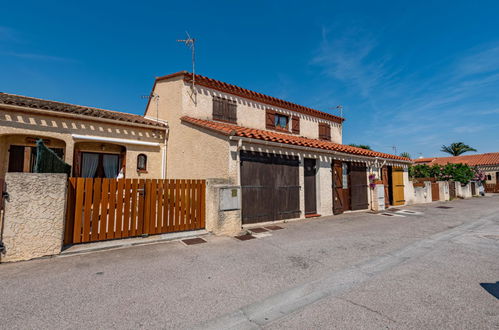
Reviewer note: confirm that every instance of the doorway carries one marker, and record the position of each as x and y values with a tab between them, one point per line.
310	186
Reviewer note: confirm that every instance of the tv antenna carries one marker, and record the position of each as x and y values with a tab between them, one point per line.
191	43
155	97
340	108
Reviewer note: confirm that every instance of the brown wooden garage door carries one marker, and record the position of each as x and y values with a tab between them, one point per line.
270	187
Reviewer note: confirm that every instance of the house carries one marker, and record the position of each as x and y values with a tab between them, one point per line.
95	142
288	159
487	163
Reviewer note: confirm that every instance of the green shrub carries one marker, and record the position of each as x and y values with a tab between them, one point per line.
455	172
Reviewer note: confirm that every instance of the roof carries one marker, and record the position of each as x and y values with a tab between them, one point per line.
234	130
255	96
491	158
31	102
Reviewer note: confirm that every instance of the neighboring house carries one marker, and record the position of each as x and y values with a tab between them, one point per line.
95	142
487	163
288	158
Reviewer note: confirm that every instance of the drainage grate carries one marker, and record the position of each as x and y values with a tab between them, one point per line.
192	241
444	207
393	209
387	214
257	230
245	237
274	227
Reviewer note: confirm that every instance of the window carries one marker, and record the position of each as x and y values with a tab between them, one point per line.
324	131
224	110
23	158
99	165
489	177
281	121
142	163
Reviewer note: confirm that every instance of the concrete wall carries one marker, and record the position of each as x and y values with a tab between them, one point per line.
463	191
418	195
17	125
34	215
443	189
220	222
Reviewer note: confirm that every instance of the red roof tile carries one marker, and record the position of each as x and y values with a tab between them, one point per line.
246	93
472	160
234	130
35	103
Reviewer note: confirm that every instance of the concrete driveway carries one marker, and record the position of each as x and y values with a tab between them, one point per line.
432	268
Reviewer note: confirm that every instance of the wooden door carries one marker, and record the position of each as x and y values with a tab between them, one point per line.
359	187
346	183
270	187
337	188
386	185
310	186
16	159
256	187
398	185
435	191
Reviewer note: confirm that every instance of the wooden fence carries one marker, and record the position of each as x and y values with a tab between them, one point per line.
492	188
102	209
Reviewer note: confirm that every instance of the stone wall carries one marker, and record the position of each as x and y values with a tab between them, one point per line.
443	190
34	215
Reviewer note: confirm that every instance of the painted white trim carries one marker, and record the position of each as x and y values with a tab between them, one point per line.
115	140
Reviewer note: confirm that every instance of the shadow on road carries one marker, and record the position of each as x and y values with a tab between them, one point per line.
492	288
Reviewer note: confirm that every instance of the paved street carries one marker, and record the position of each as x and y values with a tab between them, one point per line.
426	269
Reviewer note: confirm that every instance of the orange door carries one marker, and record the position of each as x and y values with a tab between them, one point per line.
398	185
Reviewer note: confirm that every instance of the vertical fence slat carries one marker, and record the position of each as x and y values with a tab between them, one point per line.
126	211
143	224
176	200
96	209
159	214
103	219
111	208
171	205
165	206
87	213
80	186
119	209
152	203
203	204
190	204
196	204
183	204
70	211
135	198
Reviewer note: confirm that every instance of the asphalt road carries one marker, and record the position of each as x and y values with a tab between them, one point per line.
434	268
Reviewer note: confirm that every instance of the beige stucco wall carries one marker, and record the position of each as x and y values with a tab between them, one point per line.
463	191
192	153
15	126
443	190
249	113
220	222
34	215
493	176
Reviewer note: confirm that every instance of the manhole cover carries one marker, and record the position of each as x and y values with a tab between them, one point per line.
245	237
387	214
257	230
274	227
444	207
192	241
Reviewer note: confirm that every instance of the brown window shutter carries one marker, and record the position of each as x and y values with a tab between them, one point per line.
324	131
321	131
328	132
295	125
269	119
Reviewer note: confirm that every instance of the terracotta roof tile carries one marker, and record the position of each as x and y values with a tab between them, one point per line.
249	94
234	130
31	102
472	160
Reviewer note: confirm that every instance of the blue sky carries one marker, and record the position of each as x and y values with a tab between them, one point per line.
414	75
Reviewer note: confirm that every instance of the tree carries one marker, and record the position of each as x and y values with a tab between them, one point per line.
457	148
362	146
405	154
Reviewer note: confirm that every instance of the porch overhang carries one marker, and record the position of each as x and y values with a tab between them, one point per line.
114	140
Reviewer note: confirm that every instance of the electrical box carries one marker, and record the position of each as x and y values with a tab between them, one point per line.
230	198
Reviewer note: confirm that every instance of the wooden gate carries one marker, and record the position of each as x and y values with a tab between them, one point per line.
358	187
102	209
492	188
452	189
435	191
398	185
270	187
338	199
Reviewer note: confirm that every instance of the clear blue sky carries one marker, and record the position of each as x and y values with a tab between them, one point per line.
415	75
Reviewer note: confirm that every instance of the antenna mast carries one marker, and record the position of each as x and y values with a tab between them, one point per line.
191	43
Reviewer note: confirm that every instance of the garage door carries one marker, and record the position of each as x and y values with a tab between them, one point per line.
270	187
